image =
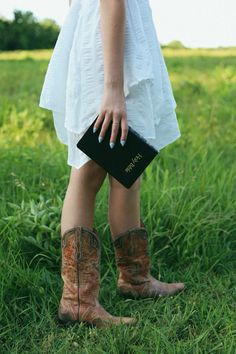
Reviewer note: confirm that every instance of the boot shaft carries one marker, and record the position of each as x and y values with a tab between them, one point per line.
132	255
81	253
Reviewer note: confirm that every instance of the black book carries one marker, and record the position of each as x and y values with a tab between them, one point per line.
125	163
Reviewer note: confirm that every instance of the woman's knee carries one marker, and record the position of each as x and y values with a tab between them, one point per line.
114	183
90	174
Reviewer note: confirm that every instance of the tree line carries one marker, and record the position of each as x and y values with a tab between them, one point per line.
26	32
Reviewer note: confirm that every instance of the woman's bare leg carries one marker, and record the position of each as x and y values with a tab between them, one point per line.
124	206
79	202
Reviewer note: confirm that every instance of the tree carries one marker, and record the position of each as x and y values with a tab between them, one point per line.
175	45
26	32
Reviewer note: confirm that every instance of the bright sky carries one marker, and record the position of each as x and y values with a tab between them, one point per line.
196	23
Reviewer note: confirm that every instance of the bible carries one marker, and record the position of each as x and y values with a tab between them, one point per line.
125	163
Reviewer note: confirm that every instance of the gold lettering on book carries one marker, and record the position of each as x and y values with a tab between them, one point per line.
134	160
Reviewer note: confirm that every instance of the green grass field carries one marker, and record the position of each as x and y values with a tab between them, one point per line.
188	204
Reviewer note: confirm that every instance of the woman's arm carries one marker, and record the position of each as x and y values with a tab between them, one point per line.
112	32
70	2
112	27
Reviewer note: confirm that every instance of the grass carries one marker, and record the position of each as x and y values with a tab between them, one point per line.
187	202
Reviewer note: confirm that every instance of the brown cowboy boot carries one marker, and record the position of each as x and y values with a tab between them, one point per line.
80	271
133	262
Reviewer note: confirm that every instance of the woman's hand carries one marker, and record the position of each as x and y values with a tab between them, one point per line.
113	109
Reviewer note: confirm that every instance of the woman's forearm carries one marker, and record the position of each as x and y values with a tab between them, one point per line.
112	32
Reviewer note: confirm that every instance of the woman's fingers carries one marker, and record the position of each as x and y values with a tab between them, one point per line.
98	121
114	129
124	129
117	119
105	125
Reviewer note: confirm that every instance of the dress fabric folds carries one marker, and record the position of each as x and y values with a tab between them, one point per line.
73	83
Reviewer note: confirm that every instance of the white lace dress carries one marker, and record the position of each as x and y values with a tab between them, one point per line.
73	84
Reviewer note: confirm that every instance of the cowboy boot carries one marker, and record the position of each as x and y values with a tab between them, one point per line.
133	261
80	271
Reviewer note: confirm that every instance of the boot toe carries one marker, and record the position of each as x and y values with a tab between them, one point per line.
115	320
130	320
174	288
180	286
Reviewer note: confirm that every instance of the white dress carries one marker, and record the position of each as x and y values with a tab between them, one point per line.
73	84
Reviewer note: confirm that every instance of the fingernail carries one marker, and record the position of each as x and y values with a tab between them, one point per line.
122	142
100	138
94	129
112	145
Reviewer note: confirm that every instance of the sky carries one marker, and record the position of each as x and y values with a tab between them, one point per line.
196	23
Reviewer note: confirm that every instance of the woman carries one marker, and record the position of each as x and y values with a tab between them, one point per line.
107	62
